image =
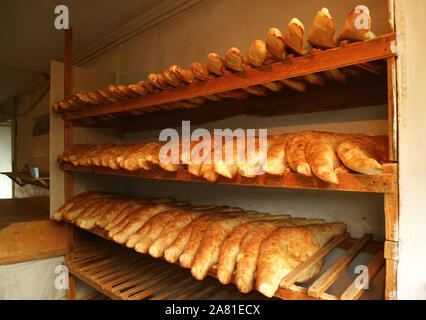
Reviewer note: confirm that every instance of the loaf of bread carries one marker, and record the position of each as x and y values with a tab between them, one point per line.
286	248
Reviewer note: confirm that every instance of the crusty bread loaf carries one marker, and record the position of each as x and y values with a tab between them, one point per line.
295	153
247	258
215	64
257	55
288	247
294	36
138	220
353	32
75	201
200	71
234	60
172	230
275	44
362	154
322	157
322	34
207	253
276	162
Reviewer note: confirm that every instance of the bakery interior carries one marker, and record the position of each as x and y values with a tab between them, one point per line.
328	206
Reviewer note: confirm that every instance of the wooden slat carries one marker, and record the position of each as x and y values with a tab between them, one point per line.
352	292
392	110
113	269
126	276
391	216
157	273
391	279
356	53
158	287
184	283
194	289
122	271
292	277
384	183
147	282
392	250
333	273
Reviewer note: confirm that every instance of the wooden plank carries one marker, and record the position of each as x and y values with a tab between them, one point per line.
292	277
368	91
391	216
126	276
71	287
146	281
354	291
32	240
182	284
194	289
332	274
122	271
158	287
384	183
392	110
355	53
392	250
391	279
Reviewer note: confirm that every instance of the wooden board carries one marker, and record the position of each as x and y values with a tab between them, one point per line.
384	183
32	240
380	48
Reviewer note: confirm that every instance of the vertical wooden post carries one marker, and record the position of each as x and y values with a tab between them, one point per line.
391	201
68	87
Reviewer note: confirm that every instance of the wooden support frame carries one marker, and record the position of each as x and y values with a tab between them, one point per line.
68	178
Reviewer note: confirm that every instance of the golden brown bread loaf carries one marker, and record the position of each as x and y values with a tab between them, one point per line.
172	230
247	259
215	64
357	26
288	247
275	44
257	55
234	60
322	34
276	163
294	36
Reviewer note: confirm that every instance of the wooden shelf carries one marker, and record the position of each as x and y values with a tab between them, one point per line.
384	183
23	178
121	273
382	47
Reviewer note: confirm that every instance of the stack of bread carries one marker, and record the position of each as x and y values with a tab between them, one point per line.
251	249
322	154
277	47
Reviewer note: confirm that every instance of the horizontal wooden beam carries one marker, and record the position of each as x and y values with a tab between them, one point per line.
382	47
384	183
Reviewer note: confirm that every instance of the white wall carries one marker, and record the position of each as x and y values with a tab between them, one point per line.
412	150
5	161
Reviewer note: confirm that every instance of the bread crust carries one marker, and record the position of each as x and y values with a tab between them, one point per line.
286	248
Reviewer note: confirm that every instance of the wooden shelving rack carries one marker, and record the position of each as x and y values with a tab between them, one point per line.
384	48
